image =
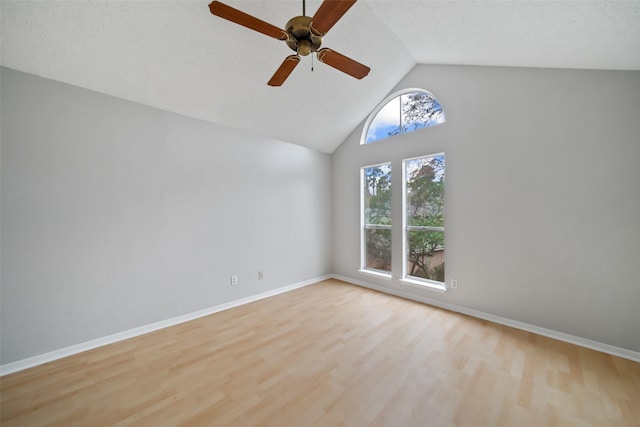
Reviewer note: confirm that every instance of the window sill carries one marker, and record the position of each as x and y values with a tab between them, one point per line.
375	273
424	285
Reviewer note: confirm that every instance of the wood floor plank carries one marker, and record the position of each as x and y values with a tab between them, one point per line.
329	354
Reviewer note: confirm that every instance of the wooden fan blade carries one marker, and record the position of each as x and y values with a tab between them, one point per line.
246	20
329	12
284	70
343	63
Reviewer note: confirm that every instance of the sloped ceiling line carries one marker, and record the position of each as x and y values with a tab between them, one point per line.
176	56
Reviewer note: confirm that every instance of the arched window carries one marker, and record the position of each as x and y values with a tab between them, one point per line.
403	112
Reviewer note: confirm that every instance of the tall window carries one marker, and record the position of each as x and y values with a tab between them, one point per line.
376	218
424	179
414	109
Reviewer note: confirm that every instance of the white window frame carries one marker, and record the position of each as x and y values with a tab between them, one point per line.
406	228
380	106
365	226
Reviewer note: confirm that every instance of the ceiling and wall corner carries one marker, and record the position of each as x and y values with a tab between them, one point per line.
97	190
176	56
116	215
542	197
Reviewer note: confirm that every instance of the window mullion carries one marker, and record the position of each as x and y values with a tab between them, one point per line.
377	227
423	228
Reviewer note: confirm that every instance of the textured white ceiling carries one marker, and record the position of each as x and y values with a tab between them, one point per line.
176	56
550	34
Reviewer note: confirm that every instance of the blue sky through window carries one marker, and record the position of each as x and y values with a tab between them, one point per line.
404	113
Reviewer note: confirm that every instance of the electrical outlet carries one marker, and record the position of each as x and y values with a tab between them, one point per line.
260	275
454	284
234	280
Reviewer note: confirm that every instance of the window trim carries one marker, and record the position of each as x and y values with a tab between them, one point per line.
424	284
406	228
381	105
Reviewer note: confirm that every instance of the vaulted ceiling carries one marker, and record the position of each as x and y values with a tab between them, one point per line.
176	56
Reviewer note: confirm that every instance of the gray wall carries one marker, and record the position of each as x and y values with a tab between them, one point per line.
116	215
543	196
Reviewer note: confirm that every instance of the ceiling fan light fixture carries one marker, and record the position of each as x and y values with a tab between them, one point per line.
304	47
301	40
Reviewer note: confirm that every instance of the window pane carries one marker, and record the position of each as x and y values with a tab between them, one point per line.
386	122
425	180
377	194
378	244
420	110
426	255
425	191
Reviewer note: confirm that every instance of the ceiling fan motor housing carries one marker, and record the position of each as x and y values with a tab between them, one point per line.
301	39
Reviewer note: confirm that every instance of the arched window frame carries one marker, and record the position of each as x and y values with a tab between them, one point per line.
381	105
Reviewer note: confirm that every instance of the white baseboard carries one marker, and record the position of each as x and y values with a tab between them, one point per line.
120	336
110	339
561	336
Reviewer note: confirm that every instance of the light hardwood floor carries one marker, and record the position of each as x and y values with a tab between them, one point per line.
330	354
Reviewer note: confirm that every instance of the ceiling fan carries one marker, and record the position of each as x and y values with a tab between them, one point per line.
303	34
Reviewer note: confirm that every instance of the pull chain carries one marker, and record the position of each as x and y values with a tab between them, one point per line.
312	62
